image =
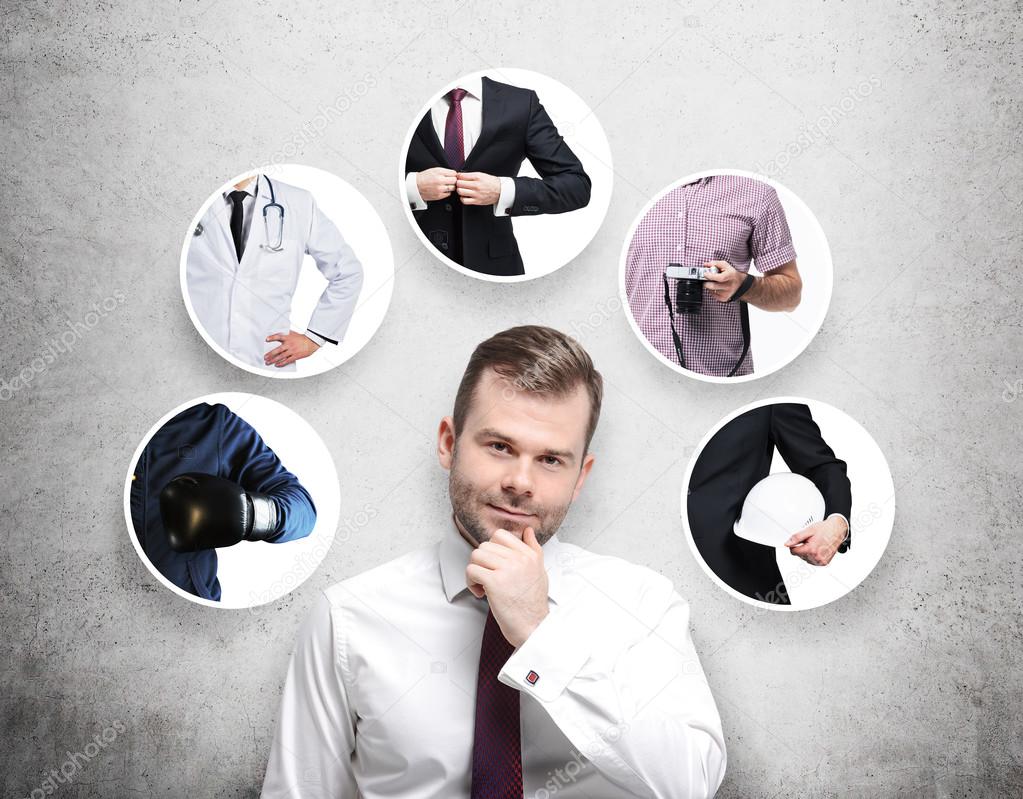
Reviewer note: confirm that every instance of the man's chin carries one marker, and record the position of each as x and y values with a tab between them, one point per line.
482	525
513	523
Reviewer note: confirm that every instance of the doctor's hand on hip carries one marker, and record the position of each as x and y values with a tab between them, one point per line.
478	188
293	347
509	570
436	183
818	543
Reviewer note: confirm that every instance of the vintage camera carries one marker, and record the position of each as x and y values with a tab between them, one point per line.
688	281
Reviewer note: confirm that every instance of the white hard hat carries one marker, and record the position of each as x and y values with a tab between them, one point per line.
778	506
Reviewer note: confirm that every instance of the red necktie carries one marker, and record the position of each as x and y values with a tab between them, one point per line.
454	146
497	745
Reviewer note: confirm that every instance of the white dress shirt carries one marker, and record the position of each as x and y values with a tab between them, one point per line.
472	125
248	203
381	690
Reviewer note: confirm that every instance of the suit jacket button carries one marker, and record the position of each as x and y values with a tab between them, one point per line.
443	246
447	206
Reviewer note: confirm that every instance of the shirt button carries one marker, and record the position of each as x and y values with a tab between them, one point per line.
447	206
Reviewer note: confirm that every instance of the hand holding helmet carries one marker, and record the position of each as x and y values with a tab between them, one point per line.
787	510
818	543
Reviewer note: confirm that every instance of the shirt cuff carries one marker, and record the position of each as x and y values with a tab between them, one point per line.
415	199
548	660
769	261
848	528
507	198
316	338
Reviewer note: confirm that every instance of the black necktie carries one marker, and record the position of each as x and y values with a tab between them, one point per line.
237	220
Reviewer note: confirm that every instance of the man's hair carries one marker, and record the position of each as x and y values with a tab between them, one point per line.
536	359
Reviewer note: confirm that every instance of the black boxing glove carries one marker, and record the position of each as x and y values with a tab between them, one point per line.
203	511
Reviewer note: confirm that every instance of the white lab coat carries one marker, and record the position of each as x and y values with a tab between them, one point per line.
240	304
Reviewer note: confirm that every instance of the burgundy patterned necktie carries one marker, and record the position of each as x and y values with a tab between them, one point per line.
497	745
454	146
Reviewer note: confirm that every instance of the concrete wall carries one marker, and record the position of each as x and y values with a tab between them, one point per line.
119	120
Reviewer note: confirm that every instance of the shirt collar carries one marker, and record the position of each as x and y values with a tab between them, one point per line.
473	85
250	189
454	557
702	181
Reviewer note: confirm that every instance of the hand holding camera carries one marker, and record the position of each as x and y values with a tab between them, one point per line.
723	280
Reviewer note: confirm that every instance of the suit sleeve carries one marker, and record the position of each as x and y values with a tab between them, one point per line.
246	459
311	754
642	713
337	262
563	185
799	440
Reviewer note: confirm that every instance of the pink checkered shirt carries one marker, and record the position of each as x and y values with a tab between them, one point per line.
718	218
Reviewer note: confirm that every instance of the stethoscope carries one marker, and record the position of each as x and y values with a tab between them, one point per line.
274	211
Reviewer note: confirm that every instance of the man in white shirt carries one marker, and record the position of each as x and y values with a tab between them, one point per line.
502	662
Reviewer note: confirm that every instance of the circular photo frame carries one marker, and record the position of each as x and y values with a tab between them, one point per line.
788	504
527	190
683	276
296	280
210	469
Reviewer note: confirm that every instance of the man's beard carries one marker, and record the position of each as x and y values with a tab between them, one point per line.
467	505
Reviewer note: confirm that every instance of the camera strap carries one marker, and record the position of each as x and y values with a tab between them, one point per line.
747	282
743	321
671	317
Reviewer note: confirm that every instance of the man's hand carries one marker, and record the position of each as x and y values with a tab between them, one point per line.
818	543
725	282
436	183
478	188
510	572
294	347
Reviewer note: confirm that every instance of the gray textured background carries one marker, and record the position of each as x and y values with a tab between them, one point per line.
118	122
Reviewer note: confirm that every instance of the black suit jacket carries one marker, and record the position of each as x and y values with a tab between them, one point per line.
515	127
737	458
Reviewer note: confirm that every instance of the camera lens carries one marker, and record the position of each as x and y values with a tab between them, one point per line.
688	296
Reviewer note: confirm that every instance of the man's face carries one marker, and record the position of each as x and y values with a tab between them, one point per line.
518	462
